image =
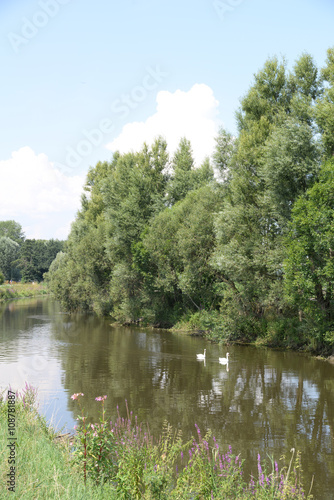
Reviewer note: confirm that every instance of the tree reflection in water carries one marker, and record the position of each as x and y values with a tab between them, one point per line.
264	401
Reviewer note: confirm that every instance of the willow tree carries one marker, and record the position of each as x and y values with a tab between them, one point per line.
309	265
275	159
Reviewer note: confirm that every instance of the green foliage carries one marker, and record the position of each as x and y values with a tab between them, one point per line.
13	230
224	152
324	110
309	267
139	467
161	242
183	179
9	251
43	466
35	258
290	165
179	242
276	159
2	278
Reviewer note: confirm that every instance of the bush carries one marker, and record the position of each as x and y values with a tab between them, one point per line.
125	455
2	278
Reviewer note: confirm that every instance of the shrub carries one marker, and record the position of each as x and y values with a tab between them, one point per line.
125	454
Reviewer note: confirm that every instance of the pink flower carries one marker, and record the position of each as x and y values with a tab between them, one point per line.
75	396
101	398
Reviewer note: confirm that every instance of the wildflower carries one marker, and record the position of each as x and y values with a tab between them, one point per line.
101	398
261	475
206	445
75	396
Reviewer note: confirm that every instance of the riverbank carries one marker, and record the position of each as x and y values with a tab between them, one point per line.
279	336
21	290
41	463
122	460
276	332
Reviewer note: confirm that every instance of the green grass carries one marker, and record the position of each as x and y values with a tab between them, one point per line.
19	290
43	466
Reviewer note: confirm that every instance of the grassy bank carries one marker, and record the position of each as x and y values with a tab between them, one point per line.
121	460
19	290
42	462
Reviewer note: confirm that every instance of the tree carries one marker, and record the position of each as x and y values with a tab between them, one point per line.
36	256
174	256
309	266
275	160
291	159
324	110
224	152
12	230
183	179
8	254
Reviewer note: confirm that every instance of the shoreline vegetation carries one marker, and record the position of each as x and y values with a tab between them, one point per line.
240	246
21	290
122	460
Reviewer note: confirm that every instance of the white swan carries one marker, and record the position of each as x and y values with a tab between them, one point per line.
224	361
201	356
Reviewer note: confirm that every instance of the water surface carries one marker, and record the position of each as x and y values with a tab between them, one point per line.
265	402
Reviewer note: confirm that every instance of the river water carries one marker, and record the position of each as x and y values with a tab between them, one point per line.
266	402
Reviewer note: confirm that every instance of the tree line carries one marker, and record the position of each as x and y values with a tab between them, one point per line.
242	246
24	259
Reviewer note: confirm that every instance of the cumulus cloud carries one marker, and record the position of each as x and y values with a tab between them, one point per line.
34	190
191	114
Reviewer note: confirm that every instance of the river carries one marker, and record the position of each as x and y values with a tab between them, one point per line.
266	402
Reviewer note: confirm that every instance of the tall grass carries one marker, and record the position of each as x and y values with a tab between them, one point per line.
17	290
43	463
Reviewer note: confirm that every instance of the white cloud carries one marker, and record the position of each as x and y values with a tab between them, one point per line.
191	114
33	190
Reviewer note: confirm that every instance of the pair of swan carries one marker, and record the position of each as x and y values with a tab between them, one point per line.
222	361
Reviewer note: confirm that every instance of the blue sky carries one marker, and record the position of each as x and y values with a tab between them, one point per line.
80	79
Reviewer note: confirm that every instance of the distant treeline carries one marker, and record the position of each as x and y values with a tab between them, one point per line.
24	259
242	247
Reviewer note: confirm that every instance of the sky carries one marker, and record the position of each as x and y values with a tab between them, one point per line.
81	80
